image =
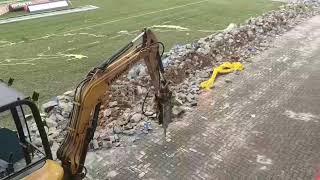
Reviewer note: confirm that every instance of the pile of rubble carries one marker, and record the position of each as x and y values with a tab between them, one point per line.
186	67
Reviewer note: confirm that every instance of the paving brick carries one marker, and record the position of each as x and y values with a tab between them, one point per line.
263	125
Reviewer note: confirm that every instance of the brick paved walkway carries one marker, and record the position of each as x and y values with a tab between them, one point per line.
263	125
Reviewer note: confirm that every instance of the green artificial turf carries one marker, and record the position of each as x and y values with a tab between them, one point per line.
35	52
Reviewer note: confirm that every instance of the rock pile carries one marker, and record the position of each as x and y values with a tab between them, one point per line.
186	67
245	40
55	120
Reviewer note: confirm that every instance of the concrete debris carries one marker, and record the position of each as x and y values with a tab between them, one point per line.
51	122
141	90
107	113
113	104
107	144
129	132
136	118
186	67
49	106
95	144
177	111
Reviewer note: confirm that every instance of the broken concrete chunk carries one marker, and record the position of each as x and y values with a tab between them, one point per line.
114	138
107	144
136	118
141	90
47	107
38	142
107	113
69	93
95	144
177	111
51	123
129	132
204	74
113	104
190	97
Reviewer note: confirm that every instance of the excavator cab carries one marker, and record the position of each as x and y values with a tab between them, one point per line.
19	156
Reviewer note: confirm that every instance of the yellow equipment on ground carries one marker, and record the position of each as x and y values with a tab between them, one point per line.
224	68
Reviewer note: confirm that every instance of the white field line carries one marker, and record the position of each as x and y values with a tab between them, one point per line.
36	16
178	28
43	56
136	16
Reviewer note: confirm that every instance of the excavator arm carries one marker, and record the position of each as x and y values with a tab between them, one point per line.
90	92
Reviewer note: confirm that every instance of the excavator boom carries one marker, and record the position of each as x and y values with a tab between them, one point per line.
90	92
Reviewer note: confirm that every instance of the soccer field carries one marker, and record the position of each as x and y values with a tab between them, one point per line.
51	55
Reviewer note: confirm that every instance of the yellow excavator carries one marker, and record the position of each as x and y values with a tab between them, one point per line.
83	118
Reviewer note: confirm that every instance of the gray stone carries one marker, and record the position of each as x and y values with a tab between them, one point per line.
177	111
107	144
122	122
188	60
113	104
181	95
38	142
141	90
46	129
95	144
230	27
69	93
54	148
230	41
250	35
53	117
62	98
195	88
190	97
105	136
117	129
179	101
129	132
114	138
51	123
47	107
60	117
65	106
54	134
204	74
107	113
96	135
128	126
136	71
136	118
65	114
